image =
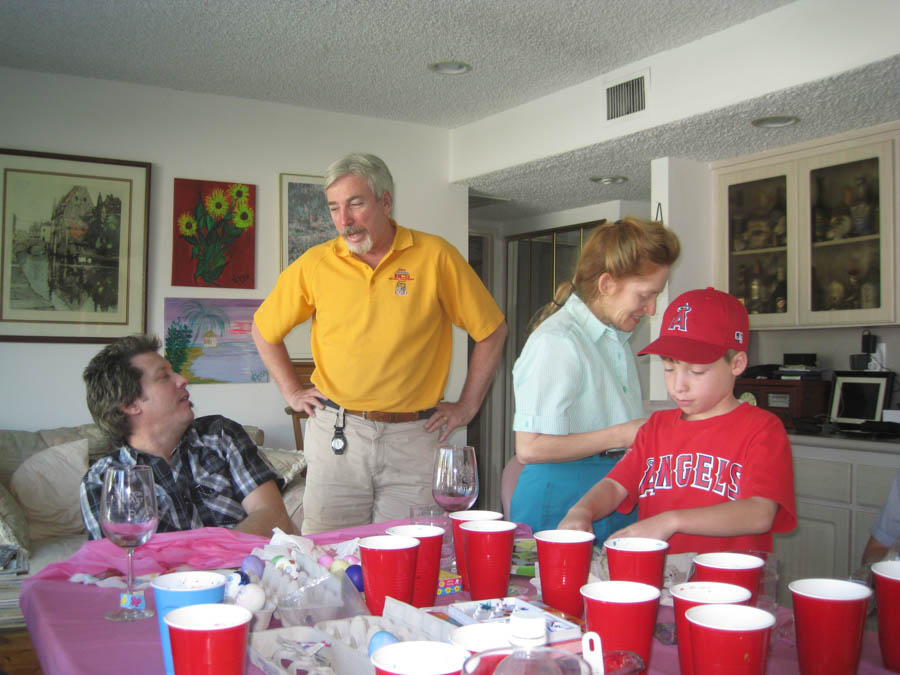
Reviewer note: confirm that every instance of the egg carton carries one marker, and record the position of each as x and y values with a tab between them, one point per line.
403	621
307	593
302	650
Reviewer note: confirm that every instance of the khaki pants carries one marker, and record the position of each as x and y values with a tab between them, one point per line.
385	469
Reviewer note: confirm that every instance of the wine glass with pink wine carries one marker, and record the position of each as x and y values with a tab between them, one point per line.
128	518
454	483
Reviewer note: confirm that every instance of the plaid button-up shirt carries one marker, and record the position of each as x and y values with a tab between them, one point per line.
215	466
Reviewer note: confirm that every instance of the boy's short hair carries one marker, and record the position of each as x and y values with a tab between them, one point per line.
701	326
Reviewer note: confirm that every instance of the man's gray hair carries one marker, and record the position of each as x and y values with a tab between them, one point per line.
370	167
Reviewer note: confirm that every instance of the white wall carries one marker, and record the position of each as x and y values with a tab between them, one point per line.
833	346
683	188
190	135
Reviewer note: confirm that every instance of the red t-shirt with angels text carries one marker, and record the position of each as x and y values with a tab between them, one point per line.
679	464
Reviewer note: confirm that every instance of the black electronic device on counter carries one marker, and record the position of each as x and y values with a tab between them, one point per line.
858	397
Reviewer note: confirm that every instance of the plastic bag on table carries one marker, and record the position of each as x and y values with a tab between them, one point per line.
315	595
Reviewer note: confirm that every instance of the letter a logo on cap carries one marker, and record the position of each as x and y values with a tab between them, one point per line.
679	321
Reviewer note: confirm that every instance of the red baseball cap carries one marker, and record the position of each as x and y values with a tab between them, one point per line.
700	326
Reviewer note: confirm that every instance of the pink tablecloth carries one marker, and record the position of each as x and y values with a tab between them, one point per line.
71	636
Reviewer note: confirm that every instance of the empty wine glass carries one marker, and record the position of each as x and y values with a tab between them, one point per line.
454	483
128	518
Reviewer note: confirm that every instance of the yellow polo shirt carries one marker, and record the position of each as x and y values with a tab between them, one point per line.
381	339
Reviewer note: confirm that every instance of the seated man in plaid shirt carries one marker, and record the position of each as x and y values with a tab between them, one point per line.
208	472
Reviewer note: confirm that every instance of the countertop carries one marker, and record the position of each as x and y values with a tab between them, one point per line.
847	441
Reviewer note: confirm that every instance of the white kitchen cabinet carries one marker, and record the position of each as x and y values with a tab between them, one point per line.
840	485
806	234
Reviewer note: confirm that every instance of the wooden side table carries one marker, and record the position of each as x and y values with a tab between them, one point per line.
304	370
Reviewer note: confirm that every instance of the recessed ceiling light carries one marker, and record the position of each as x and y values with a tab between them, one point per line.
609	180
449	67
775	121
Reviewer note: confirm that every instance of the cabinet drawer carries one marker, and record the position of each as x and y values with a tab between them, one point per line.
819	547
873	483
823	479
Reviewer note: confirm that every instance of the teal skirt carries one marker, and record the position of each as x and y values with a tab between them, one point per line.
546	492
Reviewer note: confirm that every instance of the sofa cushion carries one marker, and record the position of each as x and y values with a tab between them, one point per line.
47	486
15	447
288	464
98	443
13	525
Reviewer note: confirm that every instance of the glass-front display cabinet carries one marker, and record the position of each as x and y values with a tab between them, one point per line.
810	236
848	250
759	207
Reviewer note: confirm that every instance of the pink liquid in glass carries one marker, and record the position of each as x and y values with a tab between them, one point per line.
130	535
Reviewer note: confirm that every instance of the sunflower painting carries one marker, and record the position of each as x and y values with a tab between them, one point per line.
214	235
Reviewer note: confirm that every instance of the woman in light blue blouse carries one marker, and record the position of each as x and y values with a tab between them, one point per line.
576	383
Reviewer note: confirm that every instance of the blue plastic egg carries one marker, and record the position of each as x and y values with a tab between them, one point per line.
381	639
355	574
253	565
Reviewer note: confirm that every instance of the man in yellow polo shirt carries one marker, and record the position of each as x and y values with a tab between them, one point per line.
382	300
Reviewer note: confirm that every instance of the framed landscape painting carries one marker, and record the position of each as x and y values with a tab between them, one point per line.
208	340
73	259
305	219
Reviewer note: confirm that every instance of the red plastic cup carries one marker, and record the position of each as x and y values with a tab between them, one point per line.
428	560
209	639
739	569
388	568
623	614
829	619
564	561
637	559
694	594
731	639
419	657
457	518
887	593
488	551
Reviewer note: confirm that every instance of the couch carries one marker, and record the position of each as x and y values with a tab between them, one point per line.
40	474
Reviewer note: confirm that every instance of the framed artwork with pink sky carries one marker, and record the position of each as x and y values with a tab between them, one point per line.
208	340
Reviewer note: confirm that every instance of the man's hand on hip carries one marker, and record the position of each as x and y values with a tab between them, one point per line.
307	399
447	417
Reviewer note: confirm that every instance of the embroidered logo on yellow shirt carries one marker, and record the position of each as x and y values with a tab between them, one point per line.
401	276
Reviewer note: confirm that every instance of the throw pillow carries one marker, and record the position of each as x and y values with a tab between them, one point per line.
47	486
13	524
288	464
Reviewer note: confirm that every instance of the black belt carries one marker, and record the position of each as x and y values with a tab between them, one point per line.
388	417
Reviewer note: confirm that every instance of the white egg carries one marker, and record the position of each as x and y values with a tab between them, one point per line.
252	597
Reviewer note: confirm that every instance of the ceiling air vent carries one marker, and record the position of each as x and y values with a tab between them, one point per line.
625	98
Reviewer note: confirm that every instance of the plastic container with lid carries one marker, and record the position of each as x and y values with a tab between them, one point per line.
527	628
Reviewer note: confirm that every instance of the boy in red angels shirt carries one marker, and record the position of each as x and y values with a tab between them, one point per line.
715	474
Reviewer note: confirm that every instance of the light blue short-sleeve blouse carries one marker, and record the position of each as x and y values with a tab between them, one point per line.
575	375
